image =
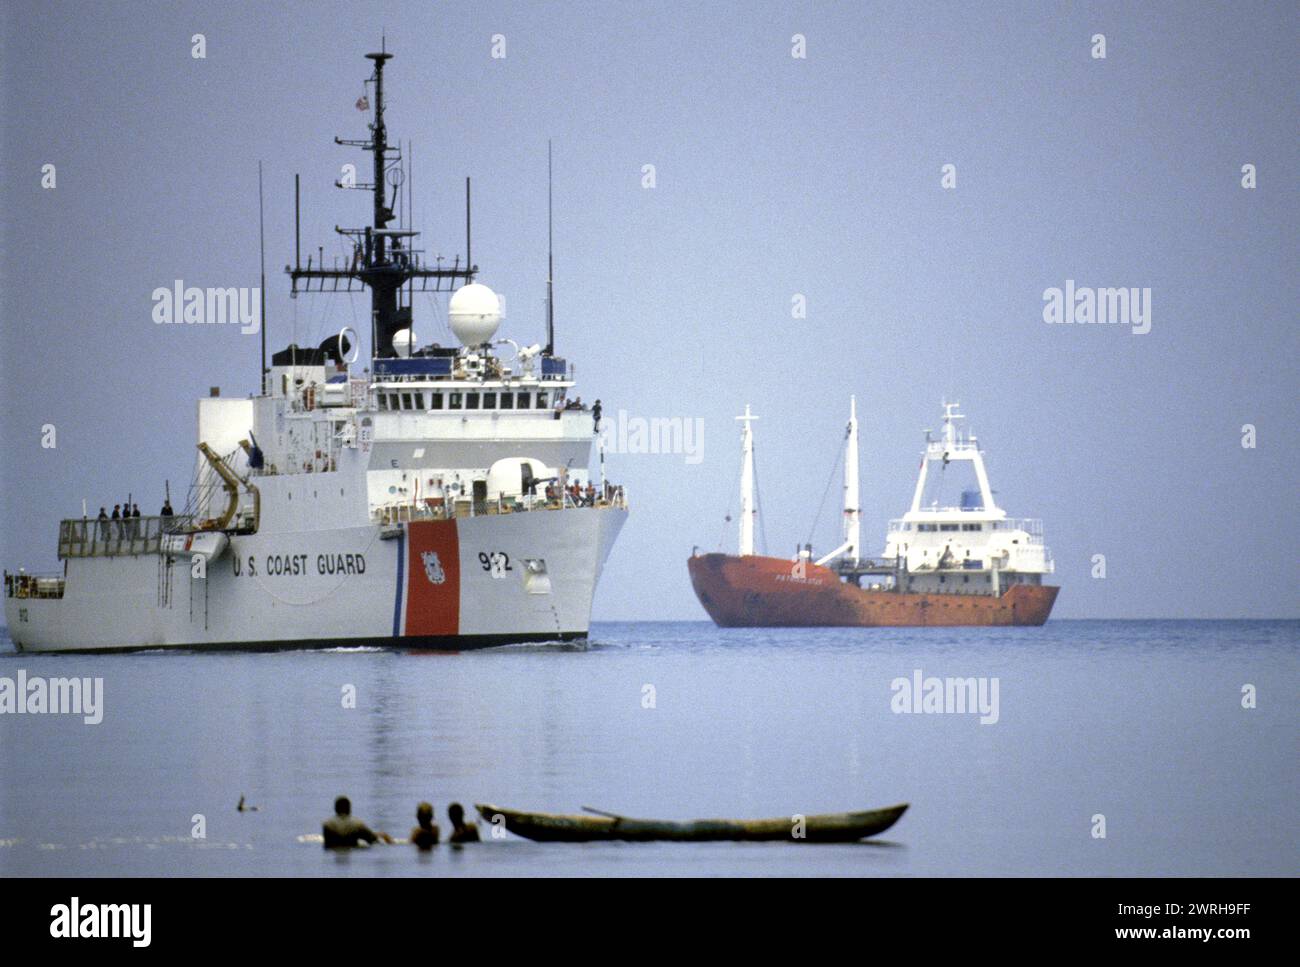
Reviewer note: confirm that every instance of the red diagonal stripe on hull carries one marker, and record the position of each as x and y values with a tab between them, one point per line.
432	578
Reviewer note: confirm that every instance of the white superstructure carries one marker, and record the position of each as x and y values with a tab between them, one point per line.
970	546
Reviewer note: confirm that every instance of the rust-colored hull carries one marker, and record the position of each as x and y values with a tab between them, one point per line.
758	592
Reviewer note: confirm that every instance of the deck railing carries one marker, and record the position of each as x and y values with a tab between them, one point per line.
1030	525
440	509
91	537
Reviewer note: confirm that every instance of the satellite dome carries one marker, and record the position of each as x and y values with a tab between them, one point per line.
403	342
517	476
474	313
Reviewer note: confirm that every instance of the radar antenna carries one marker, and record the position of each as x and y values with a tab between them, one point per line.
383	259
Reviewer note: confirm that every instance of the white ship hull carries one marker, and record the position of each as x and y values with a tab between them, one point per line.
449	584
441	498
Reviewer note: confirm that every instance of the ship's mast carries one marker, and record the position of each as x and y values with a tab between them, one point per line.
851	549
747	512
381	260
852	511
379	149
950	416
550	262
953	447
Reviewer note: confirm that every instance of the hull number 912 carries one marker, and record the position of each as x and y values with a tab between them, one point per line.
496	563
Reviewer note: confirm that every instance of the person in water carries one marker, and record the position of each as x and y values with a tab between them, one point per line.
343	830
461	831
425	835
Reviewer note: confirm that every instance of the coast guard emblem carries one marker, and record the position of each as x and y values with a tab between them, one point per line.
433	567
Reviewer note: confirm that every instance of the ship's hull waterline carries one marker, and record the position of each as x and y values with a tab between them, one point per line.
756	592
455	584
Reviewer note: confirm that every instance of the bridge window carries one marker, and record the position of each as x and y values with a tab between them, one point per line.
925	527
471	401
383	401
435	401
489	401
972	527
947	527
419	401
522	400
541	400
507	401
454	402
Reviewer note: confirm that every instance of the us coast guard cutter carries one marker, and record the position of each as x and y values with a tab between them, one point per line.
440	499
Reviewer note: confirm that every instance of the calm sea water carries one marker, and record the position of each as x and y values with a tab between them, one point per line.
1141	722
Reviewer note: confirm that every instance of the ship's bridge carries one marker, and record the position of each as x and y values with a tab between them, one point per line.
974	535
469	381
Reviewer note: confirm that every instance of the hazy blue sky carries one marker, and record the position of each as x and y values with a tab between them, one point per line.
775	176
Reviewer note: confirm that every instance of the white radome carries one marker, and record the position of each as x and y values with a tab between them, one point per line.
474	313
404	342
505	476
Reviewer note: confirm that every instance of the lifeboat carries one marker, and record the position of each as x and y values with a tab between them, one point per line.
208	545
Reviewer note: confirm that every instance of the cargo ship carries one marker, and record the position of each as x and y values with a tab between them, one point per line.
442	498
943	564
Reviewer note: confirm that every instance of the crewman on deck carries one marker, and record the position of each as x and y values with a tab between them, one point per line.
344	831
117	521
461	831
595	417
425	835
103	524
166	508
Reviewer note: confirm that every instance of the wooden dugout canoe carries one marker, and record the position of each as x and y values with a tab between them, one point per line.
559	828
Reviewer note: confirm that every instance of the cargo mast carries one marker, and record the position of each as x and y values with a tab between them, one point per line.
852	510
747	512
851	549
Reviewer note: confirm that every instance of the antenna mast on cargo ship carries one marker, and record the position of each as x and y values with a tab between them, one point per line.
851	549
852	510
747	512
